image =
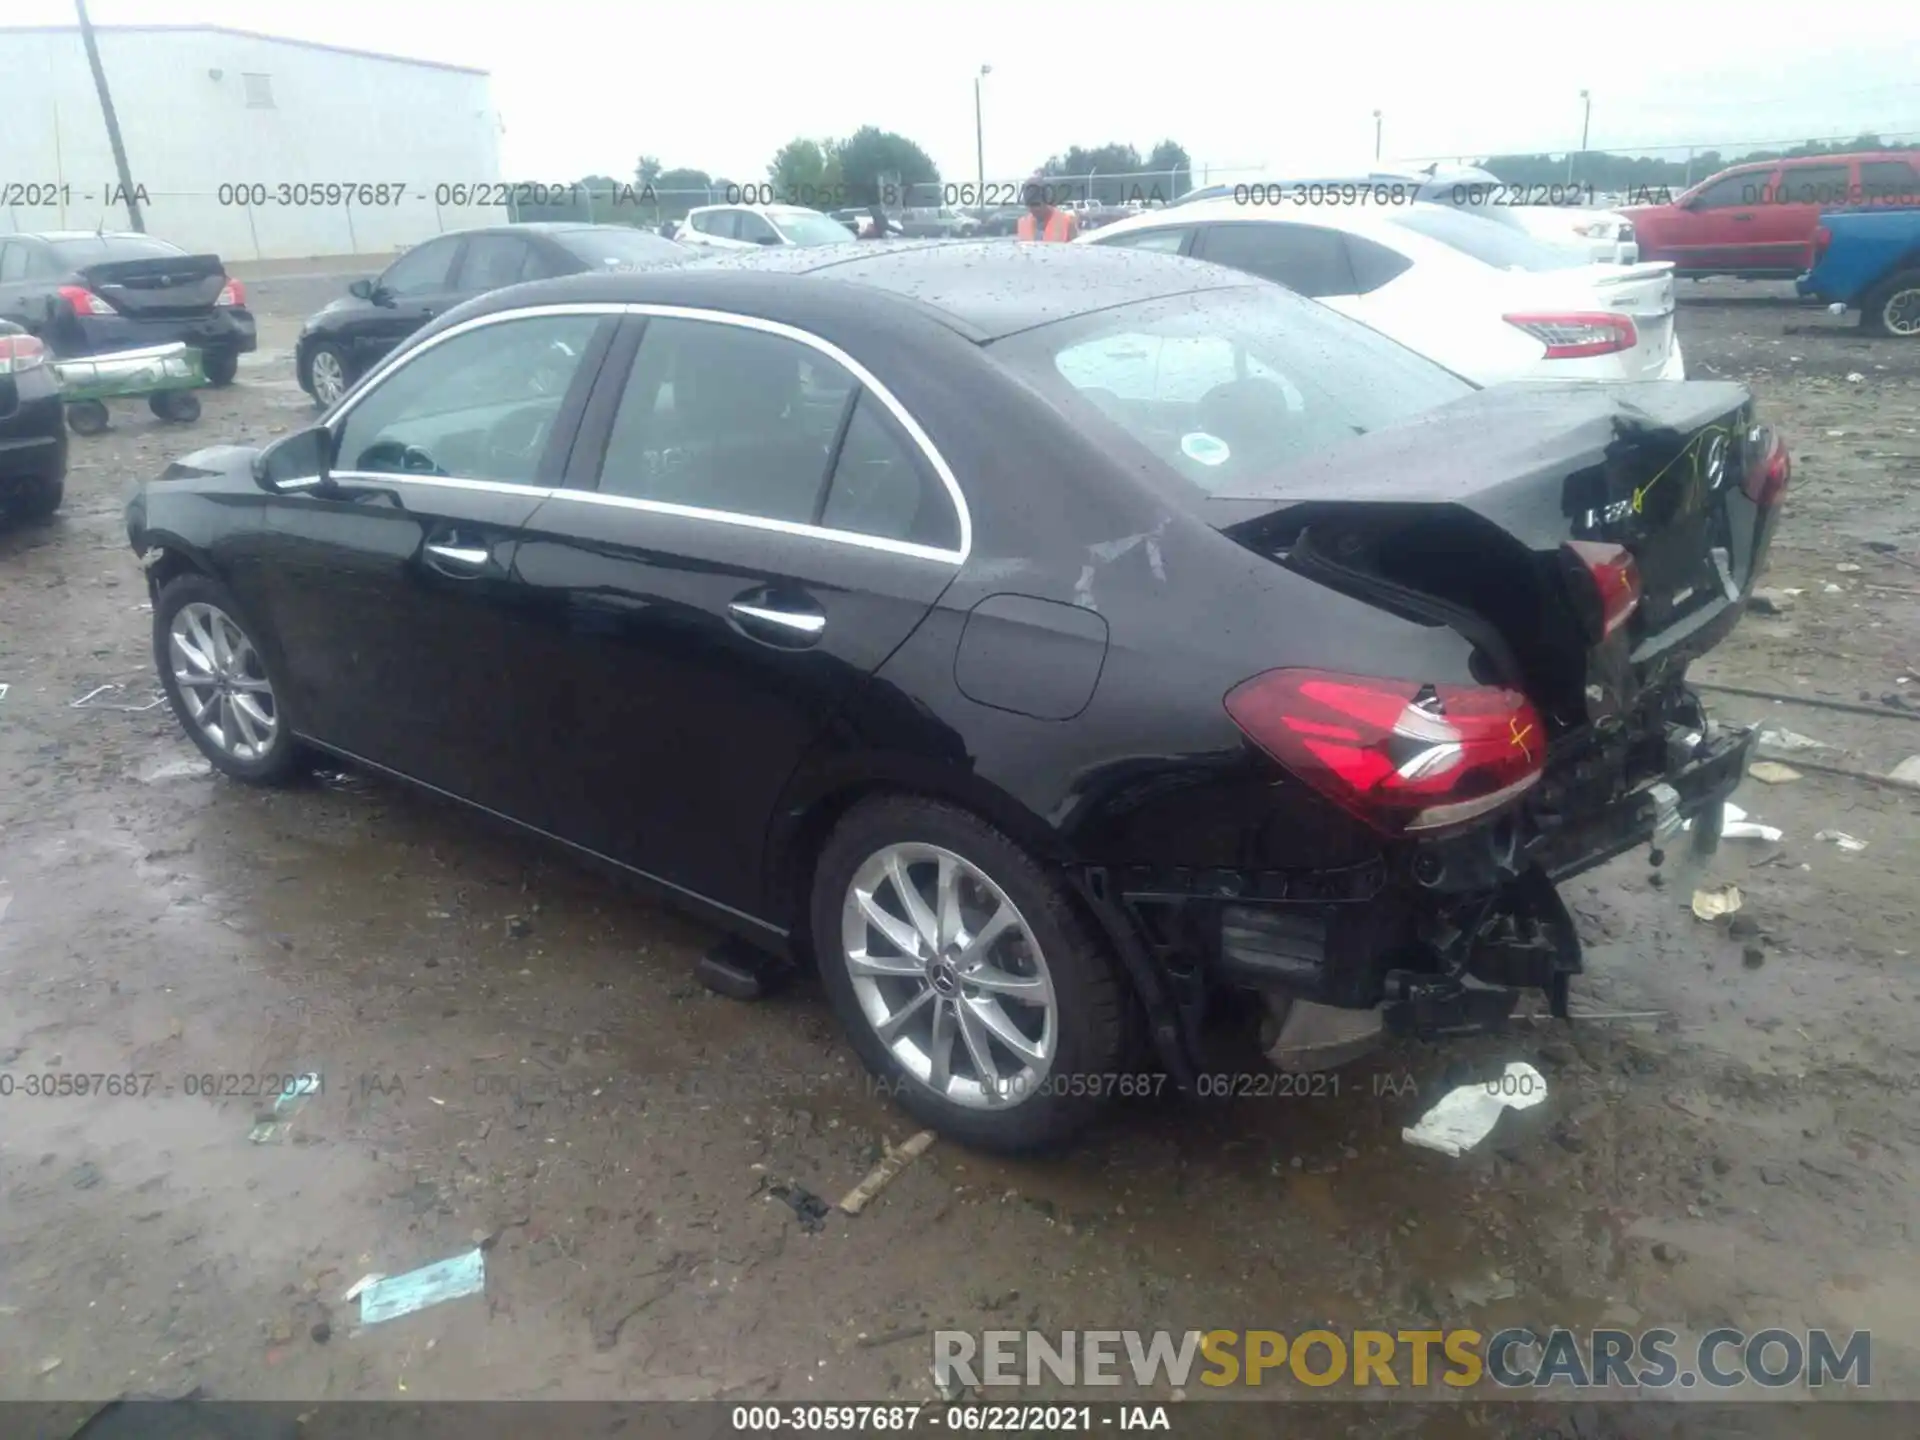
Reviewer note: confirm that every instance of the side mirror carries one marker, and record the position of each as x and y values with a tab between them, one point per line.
295	462
361	289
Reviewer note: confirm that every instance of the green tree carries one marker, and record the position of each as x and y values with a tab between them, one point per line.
680	189
647	171
1083	170
807	172
1171	158
870	154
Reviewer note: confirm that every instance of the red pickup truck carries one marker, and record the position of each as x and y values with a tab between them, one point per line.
1757	221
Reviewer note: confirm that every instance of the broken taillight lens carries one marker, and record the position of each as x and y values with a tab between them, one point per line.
1402	756
1613	580
1769	469
20	352
1578	335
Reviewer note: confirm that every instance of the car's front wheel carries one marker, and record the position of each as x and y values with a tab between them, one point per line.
329	375
1894	306
966	979
219	682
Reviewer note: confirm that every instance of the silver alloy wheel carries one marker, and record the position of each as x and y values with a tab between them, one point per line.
1901	312
949	975
222	681
328	377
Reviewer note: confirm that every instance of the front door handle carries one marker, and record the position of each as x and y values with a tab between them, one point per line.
462	561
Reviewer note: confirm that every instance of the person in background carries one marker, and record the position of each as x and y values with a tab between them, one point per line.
1044	220
878	226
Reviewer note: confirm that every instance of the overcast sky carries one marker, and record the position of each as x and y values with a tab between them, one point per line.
586	87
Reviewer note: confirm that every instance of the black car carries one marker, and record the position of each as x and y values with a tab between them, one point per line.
1061	645
341	342
89	293
33	435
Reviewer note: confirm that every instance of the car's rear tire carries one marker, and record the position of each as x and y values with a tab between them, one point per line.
224	691
34	498
87	417
220	366
329	374
1038	1000
1893	307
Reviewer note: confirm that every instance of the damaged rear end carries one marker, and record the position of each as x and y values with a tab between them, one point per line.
1589	542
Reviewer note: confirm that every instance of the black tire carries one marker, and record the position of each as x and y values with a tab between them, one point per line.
220	366
177	407
35	498
87	417
283	758
1093	1007
1873	310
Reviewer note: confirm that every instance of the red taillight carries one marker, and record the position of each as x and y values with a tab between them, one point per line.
232	293
1402	756
1615	581
1577	335
1768	471
84	301
20	352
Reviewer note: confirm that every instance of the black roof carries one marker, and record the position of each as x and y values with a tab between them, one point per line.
983	289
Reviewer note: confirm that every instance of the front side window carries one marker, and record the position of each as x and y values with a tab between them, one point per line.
1749	187
478	406
753	227
1224	385
722	417
423	270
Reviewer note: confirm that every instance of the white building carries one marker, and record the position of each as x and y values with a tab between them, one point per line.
245	145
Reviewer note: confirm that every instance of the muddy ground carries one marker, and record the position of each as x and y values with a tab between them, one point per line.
514	1050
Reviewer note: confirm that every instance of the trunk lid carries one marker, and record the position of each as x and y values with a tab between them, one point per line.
1461	515
163	285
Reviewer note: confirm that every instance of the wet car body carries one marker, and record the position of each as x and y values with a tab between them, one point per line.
1062	661
33	431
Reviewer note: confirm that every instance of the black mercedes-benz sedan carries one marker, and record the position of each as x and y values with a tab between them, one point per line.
346	337
1080	655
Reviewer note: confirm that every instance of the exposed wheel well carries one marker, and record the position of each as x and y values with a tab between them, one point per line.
171	565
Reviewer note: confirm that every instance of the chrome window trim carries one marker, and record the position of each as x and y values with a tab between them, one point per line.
904	418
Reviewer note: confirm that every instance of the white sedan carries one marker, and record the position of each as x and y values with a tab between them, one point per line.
747	227
1487	301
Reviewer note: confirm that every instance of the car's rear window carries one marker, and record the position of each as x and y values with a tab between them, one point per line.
1225	384
95	249
612	248
1500	244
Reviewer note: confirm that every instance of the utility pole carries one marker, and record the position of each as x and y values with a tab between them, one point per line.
1376	134
980	145
106	113
1586	119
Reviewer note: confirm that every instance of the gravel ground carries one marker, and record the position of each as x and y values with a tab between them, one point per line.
514	1051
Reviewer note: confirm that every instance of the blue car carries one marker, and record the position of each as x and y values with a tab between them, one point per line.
1869	260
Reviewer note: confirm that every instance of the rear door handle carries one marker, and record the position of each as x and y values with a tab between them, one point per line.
783	619
798	622
461	561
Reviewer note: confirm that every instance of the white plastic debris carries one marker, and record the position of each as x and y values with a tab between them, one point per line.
1466	1114
1854	377
1907	770
1772	772
1845	841
1847	567
1720	900
1734	824
1783	739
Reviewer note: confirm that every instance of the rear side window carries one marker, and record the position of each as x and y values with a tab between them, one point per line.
882	486
1373	264
1811	185
1306	259
493	261
1884	182
1165	242
721	417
